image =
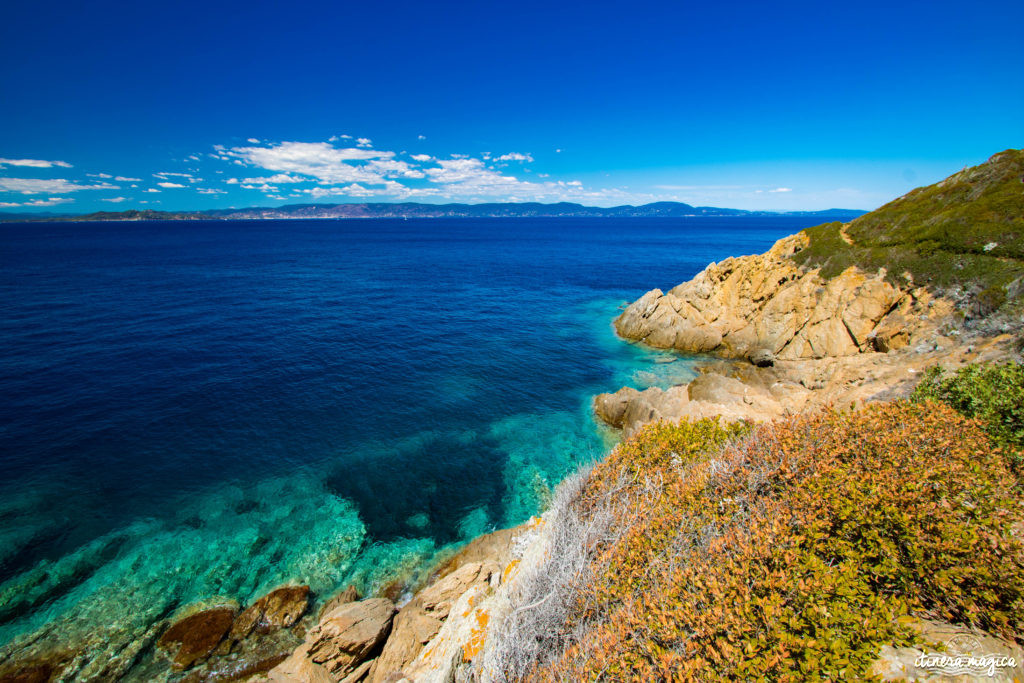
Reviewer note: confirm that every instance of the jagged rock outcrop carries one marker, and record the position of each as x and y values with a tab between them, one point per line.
768	305
805	341
476	568
346	637
342	641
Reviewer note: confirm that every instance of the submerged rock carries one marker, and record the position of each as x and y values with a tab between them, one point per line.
280	608
195	637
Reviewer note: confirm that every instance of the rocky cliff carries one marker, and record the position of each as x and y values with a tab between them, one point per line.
817	320
766	306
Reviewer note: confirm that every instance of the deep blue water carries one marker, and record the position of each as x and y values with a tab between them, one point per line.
207	408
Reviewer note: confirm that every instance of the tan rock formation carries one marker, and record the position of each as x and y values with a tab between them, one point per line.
767	303
344	639
350	594
809	342
476	568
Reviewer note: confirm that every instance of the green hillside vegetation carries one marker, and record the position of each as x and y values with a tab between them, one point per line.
966	231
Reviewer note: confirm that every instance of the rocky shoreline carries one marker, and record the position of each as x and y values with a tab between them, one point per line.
780	340
789	341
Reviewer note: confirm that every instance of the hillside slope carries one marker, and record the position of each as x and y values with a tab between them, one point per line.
966	231
941	255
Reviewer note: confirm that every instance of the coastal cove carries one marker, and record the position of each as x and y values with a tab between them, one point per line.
210	409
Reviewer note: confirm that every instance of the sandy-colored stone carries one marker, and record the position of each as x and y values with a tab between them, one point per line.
359	673
349	635
439	596
350	594
413	628
766	303
300	668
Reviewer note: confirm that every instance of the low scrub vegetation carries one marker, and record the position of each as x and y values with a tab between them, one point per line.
790	551
965	232
992	393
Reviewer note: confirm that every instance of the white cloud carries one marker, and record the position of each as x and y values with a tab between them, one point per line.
105	176
390	189
167	175
472	179
152	189
50	201
335	138
276	178
515	156
34	163
47	185
391	168
558	151
123	179
210	190
782	189
329	165
253	141
170	185
421	137
361	171
115	200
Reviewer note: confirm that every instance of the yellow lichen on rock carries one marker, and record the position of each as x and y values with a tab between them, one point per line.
477	637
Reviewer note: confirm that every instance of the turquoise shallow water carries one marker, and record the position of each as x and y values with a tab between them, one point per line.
202	409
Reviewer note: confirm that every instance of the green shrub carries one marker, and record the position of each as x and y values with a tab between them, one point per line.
993	393
989	300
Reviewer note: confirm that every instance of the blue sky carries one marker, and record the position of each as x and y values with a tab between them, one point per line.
109	106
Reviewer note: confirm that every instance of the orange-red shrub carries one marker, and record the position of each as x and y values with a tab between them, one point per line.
794	552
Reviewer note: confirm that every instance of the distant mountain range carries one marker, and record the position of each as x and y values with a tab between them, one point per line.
414	210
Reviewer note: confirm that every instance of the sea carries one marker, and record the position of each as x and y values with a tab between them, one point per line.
198	410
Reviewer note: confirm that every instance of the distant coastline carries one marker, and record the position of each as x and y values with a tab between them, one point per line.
418	210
